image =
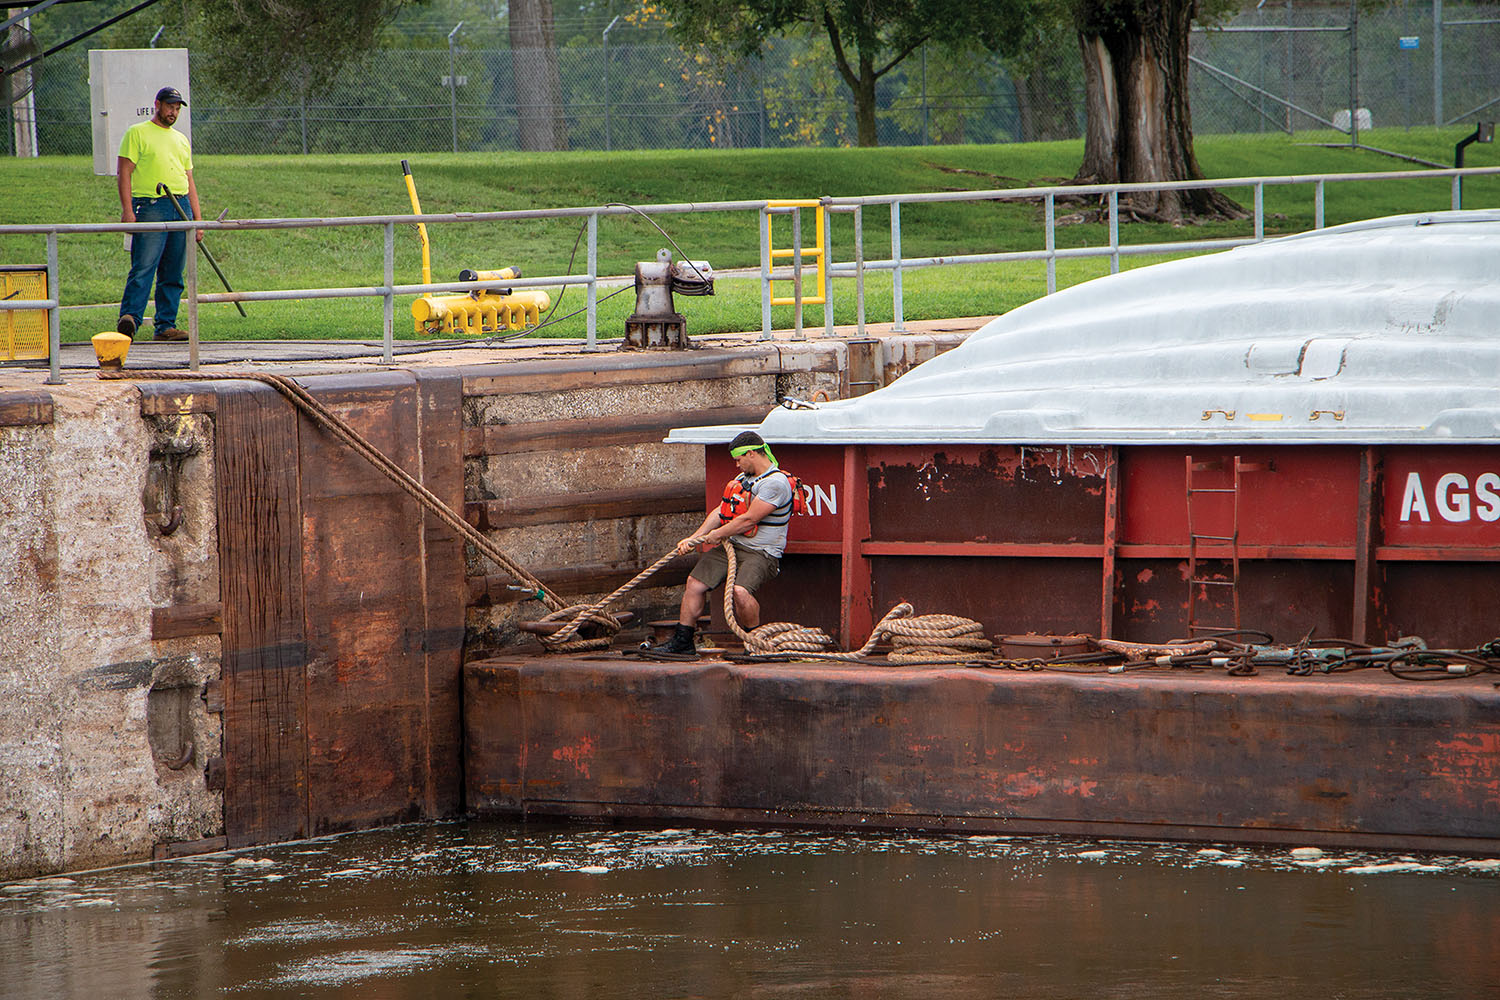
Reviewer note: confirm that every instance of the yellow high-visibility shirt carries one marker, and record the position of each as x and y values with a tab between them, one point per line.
161	156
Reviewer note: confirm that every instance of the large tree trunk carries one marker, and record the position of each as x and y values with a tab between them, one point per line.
539	119
1139	126
864	104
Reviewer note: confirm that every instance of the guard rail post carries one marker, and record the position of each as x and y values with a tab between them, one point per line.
54	315
592	322
797	332
1456	195
1050	231
1114	232
1318	205
1260	212
898	311
191	236
859	269
388	336
825	264
765	272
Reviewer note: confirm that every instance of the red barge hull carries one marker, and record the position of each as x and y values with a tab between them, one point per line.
1347	760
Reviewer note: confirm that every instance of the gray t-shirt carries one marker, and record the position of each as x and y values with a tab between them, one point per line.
775	489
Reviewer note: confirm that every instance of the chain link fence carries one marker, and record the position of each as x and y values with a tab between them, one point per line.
1280	67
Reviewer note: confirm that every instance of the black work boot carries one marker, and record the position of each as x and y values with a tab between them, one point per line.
680	644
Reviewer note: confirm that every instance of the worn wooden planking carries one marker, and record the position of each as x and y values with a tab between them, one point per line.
440	436
563	508
382	671
600	432
167	399
24	408
260	573
181	620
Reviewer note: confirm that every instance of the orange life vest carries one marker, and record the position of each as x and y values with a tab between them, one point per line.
737	497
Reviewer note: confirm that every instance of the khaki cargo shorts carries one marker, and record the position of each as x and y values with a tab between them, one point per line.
751	568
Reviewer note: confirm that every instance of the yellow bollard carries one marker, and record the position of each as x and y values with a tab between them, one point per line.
111	347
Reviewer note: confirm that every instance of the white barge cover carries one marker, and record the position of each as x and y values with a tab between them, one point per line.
1378	331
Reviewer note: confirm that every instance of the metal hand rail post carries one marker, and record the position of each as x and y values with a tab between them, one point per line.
1260	213
1114	232
1456	194
824	265
591	324
859	269
54	315
1318	205
765	272
1049	226
388	335
897	306
192	290
797	332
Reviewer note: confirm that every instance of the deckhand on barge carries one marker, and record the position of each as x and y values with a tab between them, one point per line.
1297	440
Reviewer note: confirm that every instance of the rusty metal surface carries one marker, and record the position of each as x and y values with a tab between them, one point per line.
1287	598
1356	759
1009	596
966	493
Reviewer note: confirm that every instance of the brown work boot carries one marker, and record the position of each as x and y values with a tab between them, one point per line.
170	333
126	325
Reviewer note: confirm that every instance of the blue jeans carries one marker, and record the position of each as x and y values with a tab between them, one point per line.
159	255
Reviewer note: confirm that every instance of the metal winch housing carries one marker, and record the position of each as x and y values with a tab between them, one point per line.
656	324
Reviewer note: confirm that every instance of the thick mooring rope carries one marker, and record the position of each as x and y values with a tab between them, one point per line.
921	638
339	428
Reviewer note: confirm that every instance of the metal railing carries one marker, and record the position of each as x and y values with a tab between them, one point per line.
897	263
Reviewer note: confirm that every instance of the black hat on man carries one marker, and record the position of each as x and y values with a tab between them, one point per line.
746	439
169	95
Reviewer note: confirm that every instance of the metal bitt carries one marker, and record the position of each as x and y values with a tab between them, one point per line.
656	324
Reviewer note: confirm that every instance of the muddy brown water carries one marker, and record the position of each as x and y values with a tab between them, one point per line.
486	909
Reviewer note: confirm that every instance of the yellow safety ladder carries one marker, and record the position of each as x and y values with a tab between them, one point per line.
814	253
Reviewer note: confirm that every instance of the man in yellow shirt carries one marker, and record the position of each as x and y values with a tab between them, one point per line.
151	154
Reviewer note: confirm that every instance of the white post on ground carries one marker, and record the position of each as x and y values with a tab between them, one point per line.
1049	228
827	262
797	331
592	322
54	315
859	269
388	338
192	290
898	312
765	272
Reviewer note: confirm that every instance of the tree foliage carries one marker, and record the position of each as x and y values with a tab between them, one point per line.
259	48
868	38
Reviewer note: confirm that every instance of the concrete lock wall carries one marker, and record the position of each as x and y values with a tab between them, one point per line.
113	662
101	728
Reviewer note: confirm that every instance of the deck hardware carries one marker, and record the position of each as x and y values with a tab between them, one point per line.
184	758
1209	414
792	403
172	452
1335	414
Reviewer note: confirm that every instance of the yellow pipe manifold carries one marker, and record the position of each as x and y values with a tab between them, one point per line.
479	314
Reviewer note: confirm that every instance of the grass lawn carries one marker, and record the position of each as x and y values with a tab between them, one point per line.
64	189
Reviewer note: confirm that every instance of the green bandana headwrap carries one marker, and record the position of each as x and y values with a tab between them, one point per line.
739	452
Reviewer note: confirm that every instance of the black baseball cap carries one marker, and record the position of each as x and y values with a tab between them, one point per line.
169	95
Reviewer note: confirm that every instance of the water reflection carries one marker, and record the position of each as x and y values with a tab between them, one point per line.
486	909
